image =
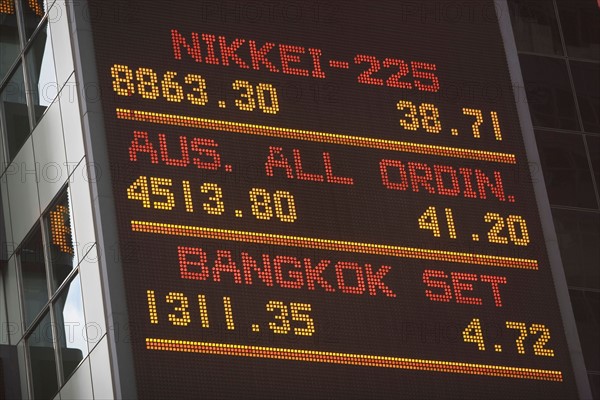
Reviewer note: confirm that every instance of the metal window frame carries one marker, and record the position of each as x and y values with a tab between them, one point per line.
53	295
24	44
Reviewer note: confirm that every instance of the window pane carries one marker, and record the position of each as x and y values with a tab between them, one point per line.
42	76
580	21
566	169
13	111
593	143
60	240
33	11
33	273
549	92
42	361
586	77
535	26
9	36
595	384
586	307
578	237
70	325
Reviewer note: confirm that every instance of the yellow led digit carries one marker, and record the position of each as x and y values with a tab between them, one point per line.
450	221
297	315
199	96
478	119
171	89
218	207
511	222
147	83
138	190
228	313
122	80
187	196
261	209
430	118
495	230
412	121
473	334
160	187
183	319
290	214
539	348
522	328
151	298
284	328
203	311
263	88
496	124
429	220
248	94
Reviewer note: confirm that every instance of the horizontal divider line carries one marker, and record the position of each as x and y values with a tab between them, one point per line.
363	360
333	245
313	136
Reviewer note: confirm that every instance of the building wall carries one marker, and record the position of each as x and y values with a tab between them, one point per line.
559	51
43	169
52	316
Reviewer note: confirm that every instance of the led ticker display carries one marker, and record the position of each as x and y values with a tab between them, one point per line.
325	200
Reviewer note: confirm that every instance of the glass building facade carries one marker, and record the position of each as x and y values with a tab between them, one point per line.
53	308
52	335
559	51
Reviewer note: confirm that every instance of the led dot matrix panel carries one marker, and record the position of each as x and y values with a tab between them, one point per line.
325	200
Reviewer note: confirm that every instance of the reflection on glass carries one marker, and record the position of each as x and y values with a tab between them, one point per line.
595	384
70	326
578	237
593	143
42	361
549	92
42	76
580	21
33	272
9	36
586	305
535	26
566	169
33	11
13	112
60	240
586	77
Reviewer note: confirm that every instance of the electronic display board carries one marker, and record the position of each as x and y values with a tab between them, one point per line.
325	199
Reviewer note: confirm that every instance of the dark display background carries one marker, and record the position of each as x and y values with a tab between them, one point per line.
463	40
